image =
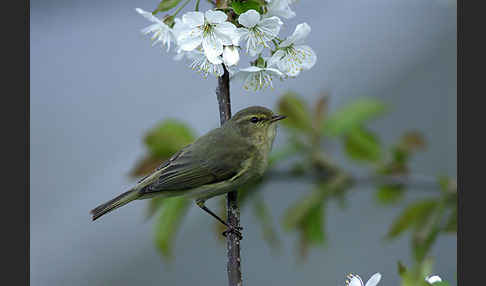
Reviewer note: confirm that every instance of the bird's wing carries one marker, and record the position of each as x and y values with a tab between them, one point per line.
210	164
164	164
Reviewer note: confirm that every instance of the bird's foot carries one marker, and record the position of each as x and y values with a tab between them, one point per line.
234	229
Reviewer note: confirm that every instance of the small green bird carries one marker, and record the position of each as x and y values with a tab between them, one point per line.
216	163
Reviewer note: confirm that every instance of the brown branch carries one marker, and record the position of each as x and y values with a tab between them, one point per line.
233	212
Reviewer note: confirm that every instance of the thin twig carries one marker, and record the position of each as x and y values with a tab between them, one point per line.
411	180
233	212
181	7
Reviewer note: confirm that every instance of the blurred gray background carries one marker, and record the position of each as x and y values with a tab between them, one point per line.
97	85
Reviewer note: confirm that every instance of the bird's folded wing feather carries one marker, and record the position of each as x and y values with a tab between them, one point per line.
189	169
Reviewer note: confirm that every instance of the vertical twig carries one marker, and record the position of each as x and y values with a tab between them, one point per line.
233	212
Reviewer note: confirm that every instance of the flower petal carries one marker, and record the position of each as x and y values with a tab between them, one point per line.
235	38
239	75
243	34
353	280
271	27
374	280
202	64
280	8
433	279
227	32
151	28
251	69
212	46
276	58
256	78
215	60
215	17
301	32
249	19
189	39
289	67
147	15
179	26
231	56
308	56
274	72
193	19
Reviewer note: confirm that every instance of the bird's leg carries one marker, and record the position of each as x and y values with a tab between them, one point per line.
236	230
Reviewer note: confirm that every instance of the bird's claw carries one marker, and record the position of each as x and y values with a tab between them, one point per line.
236	230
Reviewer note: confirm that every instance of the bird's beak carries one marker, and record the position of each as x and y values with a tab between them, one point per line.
277	118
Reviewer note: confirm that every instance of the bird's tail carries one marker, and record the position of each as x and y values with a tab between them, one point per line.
115	203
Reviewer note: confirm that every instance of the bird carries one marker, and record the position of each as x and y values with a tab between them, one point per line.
218	162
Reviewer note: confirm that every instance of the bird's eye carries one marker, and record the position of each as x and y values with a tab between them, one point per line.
254	119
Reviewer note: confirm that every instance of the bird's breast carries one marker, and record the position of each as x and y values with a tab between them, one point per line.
261	163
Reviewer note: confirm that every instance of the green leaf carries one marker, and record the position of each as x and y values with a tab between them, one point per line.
166	5
420	245
146	166
300	210
307	215
311	228
313	225
409	280
153	206
426	231
242	6
296	110
424	268
411	216
399	156
362	145
168	137
353	115
390	193
416	275
168	223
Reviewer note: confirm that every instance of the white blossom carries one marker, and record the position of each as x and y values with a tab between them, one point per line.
176	30
292	56
161	31
178	27
257	31
355	280
180	54
209	29
231	56
280	8
256	78
204	65
431	279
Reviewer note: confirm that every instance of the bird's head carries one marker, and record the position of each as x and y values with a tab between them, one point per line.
257	123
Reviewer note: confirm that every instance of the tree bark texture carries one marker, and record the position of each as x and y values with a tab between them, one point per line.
233	212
